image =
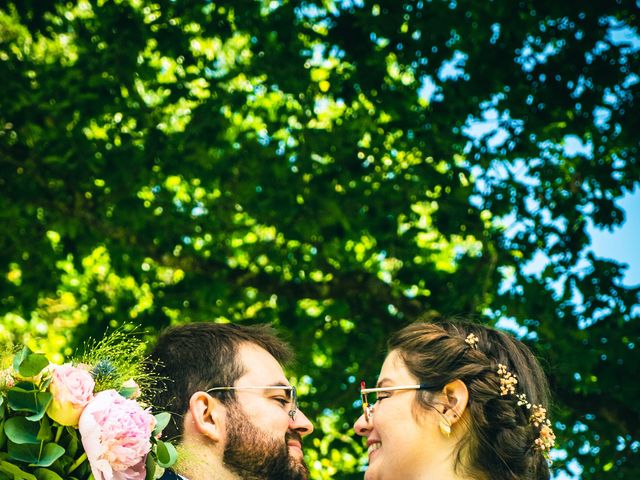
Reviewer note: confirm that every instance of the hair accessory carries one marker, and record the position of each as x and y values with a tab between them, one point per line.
508	381
522	400
538	417
547	438
472	340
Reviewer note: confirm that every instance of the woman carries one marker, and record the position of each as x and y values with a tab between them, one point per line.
457	401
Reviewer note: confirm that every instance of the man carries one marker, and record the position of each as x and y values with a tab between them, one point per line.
235	415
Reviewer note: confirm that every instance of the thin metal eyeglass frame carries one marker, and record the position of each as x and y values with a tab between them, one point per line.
293	398
368	409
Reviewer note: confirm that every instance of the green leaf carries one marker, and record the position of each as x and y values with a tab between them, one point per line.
25	385
74	441
166	454
64	462
45	434
22	400
19	358
44	385
128	392
20	430
162	420
3	436
33	364
43	400
34	455
46	474
50	453
150	465
27	453
15	471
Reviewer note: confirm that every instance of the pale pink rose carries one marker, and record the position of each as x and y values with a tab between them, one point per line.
72	390
116	435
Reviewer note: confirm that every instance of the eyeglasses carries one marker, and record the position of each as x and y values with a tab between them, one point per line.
368	409
289	394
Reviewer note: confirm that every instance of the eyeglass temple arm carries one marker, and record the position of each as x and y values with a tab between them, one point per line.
422	386
294	397
265	387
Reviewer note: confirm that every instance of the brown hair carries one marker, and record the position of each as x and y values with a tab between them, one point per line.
501	440
198	356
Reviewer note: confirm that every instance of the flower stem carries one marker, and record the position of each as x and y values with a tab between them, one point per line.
77	463
58	434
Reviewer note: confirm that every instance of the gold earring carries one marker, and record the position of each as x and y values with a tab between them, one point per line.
445	428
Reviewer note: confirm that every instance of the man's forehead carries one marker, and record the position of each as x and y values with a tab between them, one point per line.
259	365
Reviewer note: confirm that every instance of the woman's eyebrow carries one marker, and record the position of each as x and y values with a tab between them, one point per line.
383	382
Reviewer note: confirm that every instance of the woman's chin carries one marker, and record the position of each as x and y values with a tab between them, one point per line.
373	470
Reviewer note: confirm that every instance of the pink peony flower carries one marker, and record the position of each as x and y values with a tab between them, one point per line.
116	435
72	390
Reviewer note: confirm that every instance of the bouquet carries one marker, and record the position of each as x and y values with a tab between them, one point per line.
83	420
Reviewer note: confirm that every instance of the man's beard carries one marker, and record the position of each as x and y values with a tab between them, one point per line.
253	455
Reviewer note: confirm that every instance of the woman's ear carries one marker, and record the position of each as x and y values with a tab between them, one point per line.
208	415
456	399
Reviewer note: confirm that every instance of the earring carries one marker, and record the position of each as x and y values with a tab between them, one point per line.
445	428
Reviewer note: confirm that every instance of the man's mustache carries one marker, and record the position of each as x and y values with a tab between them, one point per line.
293	436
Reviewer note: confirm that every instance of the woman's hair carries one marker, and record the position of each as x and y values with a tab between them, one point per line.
503	441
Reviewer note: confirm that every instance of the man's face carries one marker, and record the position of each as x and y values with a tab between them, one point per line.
263	443
253	455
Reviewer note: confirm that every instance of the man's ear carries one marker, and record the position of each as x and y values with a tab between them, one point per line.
456	399
207	414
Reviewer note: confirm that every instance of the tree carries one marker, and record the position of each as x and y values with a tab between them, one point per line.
337	168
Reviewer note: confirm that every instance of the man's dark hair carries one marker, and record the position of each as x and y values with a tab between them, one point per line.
198	356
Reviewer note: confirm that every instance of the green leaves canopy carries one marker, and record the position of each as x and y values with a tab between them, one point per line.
336	168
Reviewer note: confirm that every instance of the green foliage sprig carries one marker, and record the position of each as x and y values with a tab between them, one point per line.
117	358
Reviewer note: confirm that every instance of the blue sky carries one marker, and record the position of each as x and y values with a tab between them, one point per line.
623	243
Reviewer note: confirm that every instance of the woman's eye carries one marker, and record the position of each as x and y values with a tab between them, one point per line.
383	395
281	400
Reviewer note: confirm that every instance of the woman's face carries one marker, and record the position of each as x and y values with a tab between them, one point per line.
400	444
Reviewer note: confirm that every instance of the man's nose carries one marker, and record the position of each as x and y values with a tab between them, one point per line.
301	424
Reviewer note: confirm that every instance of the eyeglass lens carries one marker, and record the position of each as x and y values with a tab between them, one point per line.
293	398
366	407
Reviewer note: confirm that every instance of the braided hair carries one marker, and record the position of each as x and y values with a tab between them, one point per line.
503	443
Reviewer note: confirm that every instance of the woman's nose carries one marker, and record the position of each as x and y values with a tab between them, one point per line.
362	427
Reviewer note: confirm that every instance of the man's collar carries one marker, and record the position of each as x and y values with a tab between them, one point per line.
171	475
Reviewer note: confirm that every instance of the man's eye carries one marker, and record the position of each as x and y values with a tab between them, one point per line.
383	395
